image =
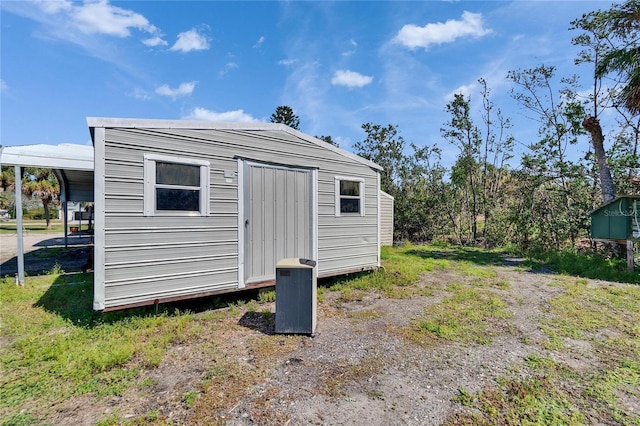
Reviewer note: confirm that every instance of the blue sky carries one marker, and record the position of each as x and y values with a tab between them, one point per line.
337	64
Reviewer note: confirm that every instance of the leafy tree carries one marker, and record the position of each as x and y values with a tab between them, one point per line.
557	184
42	183
6	178
328	139
461	131
285	115
421	195
497	149
609	41
621	24
384	146
477	177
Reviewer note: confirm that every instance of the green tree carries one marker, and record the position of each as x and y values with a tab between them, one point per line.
496	150
285	115
384	146
559	187
621	23
465	174
420	196
42	183
7	178
609	45
328	139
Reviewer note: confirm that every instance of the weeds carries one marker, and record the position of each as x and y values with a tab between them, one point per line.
528	401
57	349
468	316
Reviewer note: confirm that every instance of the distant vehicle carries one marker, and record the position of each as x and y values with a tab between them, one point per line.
4	215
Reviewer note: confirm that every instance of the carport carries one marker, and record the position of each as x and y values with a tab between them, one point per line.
73	167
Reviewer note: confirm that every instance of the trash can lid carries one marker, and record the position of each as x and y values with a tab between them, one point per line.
295	262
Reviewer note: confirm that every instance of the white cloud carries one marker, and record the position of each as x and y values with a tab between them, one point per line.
185	89
238	116
54	6
353	45
94	17
155	41
259	43
464	90
227	67
190	40
350	79
103	18
139	94
3	85
413	36
286	62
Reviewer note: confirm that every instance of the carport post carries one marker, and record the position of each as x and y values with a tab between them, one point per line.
65	222
18	186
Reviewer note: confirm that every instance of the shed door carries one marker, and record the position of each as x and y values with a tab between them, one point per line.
278	218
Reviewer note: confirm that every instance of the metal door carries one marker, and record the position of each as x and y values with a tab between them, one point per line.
277	218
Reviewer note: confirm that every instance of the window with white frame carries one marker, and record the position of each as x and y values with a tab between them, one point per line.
349	196
175	186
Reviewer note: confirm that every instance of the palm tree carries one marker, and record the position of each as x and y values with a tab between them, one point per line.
625	62
42	183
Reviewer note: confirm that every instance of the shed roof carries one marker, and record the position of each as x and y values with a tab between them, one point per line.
135	123
615	200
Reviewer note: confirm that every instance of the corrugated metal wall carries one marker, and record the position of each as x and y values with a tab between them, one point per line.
147	258
386	219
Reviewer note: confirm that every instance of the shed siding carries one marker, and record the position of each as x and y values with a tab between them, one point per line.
163	257
386	219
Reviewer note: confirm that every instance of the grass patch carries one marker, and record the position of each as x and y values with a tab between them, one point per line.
529	401
482	273
591	266
606	317
468	316
603	315
39	226
402	269
57	348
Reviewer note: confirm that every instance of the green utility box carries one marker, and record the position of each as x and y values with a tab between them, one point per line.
296	296
617	220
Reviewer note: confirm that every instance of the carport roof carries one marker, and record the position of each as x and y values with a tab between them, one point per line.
72	164
63	156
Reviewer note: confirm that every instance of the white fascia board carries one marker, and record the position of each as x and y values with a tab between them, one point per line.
64	156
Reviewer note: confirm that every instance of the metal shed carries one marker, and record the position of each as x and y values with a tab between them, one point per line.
386	219
617	220
186	209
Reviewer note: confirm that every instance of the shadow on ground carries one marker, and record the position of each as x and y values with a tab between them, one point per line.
71	297
477	256
52	256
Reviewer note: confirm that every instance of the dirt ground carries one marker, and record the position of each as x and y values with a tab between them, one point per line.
383	377
409	384
42	251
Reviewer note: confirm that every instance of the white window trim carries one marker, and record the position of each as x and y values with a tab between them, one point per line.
337	180
150	185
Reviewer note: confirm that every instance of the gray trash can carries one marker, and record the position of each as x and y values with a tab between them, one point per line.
296	296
